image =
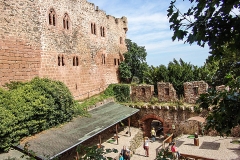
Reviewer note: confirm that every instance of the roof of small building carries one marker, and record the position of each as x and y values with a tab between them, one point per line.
55	141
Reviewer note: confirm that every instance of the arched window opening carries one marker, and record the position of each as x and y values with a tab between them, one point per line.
66	21
103	59
120	40
52	17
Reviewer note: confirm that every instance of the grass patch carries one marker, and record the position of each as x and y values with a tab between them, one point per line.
235	142
191	136
111	141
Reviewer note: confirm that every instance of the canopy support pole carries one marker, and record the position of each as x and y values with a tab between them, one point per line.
129	127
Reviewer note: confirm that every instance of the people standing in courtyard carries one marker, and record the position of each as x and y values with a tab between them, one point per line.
175	152
121	156
125	153
146	146
153	134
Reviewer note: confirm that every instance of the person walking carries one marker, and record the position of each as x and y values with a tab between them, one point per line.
175	152
153	134
146	146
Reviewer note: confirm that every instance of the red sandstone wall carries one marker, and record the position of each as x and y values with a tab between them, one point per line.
32	47
19	47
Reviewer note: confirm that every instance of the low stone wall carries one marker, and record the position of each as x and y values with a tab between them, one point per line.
136	142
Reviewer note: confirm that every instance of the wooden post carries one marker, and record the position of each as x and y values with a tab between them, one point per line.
117	133
100	141
129	126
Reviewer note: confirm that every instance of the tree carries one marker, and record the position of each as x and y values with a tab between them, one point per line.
153	75
135	62
224	106
214	23
180	72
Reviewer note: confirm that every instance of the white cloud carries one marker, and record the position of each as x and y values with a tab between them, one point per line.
148	26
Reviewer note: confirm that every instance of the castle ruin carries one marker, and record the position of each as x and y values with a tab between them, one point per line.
68	40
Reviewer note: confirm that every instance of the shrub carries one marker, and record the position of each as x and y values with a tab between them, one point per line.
28	108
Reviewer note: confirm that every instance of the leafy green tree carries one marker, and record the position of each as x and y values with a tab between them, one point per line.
180	72
214	23
224	106
153	75
134	61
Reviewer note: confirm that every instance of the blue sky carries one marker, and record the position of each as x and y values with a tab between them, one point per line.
148	26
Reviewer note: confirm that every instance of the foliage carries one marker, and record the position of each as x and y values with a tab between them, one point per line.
164	155
134	62
227	62
179	73
224	107
122	92
31	107
125	72
153	75
94	153
214	23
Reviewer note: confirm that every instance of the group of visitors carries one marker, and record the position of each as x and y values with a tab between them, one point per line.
125	154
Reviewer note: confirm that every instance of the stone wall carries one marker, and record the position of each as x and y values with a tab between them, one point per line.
169	116
192	90
166	92
41	45
142	93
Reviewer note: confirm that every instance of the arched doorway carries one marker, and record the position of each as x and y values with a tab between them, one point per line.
152	120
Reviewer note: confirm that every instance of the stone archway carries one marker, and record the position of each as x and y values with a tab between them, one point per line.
145	124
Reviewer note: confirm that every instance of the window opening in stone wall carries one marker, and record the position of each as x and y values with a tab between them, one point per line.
75	61
52	17
76	86
120	40
195	91
66	21
93	28
59	60
143	91
166	91
63	63
103	31
118	61
103	59
115	61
